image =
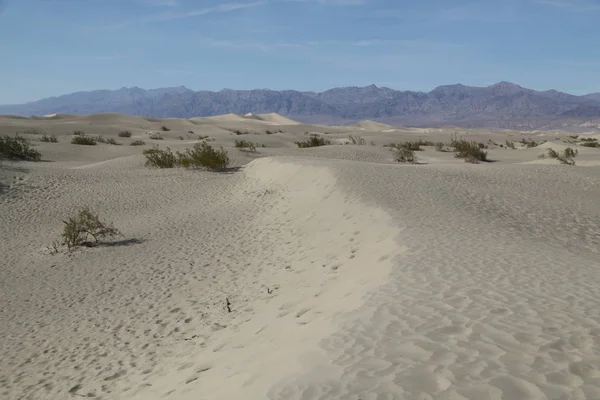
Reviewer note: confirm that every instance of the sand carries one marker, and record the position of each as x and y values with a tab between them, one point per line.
347	275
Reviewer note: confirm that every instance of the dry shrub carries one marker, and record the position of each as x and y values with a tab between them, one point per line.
78	229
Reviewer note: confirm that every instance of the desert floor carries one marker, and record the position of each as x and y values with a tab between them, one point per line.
347	275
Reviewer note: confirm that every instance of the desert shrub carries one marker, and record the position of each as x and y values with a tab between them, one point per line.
125	134
510	145
191	132
203	155
405	155
180	137
49	139
78	133
83	140
202	137
313	141
528	143
440	146
112	141
156	136
164	129
357	140
469	151
17	148
270	132
100	139
158	158
245	145
34	131
238	132
137	143
589	142
413	146
78	229
567	157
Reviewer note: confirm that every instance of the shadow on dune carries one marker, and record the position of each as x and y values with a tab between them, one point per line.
229	170
116	243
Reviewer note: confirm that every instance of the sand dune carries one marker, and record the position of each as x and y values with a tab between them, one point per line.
347	275
372	126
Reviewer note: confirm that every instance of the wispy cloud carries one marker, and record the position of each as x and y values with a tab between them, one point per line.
572	5
175	15
159	3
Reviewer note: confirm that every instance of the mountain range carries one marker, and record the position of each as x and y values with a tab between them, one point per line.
502	105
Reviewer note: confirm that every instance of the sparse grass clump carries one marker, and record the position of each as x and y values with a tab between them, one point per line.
471	152
245	145
83	140
203	155
137	143
34	131
589	142
112	141
528	143
78	229
17	148
440	146
405	155
125	134
567	157
164	129
158	158
49	139
156	136
510	145
100	139
78	133
313	141
357	140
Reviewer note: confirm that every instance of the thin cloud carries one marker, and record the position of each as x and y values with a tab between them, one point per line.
571	5
172	15
160	3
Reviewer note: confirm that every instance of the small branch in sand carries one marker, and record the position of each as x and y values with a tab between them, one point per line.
228	304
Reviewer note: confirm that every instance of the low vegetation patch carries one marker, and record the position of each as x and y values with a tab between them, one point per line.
164	129
49	139
405	155
34	131
86	225
510	145
78	133
112	141
137	143
158	158
441	146
125	134
202	155
83	140
528	143
357	140
313	141
589	142
17	148
567	157
245	145
156	136
470	151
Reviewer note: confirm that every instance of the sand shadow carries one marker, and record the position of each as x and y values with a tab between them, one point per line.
229	170
116	243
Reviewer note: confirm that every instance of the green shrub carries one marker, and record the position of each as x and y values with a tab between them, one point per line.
125	134
78	229
137	143
34	131
567	157
528	142
468	150
357	140
164	129
112	141
78	133
313	141
510	145
203	155
17	148
405	155
158	158
100	139
440	146
83	140
245	145
238	132
49	139
589	142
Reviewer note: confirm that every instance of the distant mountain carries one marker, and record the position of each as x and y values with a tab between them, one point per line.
502	105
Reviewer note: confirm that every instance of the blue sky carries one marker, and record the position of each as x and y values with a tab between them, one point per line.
54	47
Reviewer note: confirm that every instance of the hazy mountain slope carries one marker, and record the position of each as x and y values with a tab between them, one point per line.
503	102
